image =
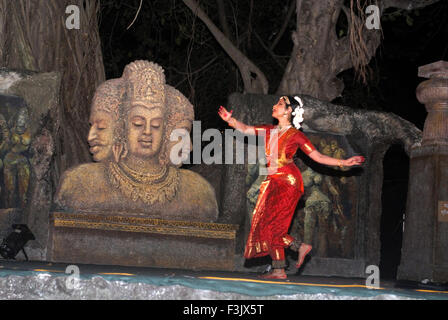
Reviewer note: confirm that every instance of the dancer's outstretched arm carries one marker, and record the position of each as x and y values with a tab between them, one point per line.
238	125
329	161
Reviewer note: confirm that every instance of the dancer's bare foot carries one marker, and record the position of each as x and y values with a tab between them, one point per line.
274	274
303	251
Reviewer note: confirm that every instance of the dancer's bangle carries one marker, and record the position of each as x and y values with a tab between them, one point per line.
340	164
232	122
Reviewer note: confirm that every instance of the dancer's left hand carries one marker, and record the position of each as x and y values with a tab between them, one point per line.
224	114
354	161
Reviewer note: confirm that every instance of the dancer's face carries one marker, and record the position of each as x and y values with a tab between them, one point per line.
280	109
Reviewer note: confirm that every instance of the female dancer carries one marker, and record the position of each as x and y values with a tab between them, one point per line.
283	187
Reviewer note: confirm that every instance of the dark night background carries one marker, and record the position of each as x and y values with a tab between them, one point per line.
167	33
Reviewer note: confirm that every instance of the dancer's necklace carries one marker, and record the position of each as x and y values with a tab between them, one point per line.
283	128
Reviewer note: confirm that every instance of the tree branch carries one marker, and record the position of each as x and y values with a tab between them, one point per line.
253	78
268	50
406	4
291	8
136	15
223	18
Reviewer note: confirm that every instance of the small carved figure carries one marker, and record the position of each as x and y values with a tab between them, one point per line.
317	211
16	165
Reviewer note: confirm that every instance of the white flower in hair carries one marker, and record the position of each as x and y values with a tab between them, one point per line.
298	113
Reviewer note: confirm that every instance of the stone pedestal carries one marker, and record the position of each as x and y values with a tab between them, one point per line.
142	242
425	239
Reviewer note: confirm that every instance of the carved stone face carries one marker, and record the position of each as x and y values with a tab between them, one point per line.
144	131
101	134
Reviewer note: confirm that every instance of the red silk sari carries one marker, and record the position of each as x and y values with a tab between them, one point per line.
279	193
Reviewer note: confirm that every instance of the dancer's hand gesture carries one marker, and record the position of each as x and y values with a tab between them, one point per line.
224	114
354	161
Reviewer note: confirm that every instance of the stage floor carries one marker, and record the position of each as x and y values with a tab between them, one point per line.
54	281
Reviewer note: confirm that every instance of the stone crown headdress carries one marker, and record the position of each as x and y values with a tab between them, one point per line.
179	106
108	96
145	83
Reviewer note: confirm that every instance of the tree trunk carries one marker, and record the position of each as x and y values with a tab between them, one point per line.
318	55
34	36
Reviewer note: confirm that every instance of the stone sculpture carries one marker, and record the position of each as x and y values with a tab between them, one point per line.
134	175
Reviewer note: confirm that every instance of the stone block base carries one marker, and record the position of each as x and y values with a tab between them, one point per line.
141	242
413	271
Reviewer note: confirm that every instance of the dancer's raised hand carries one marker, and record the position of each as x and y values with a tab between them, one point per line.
354	161
224	114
